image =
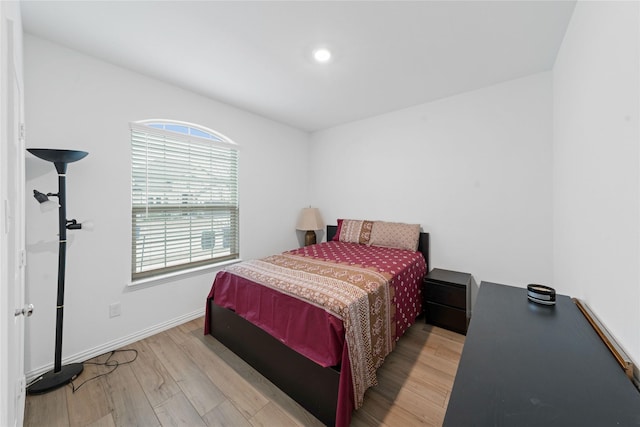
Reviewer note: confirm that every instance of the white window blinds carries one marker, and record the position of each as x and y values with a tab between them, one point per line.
184	194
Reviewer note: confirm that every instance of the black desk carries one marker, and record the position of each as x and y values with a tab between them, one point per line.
524	364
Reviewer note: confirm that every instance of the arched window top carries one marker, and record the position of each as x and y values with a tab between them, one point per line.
185	129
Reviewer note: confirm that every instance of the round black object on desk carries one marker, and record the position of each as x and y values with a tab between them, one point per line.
541	294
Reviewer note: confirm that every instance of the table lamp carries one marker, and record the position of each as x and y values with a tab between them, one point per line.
309	221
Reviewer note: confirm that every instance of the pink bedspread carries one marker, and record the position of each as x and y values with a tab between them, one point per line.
312	331
407	268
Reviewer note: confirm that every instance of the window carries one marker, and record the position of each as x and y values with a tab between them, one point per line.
184	191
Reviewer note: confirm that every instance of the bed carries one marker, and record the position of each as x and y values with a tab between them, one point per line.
286	337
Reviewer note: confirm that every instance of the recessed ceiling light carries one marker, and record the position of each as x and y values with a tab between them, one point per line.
322	55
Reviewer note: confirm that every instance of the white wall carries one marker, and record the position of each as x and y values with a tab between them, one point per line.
597	165
76	102
473	169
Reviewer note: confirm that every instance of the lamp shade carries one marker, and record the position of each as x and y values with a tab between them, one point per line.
59	158
310	219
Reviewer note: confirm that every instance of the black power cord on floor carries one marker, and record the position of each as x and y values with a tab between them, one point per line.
113	364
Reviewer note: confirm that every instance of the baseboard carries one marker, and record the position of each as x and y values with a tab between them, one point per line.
115	344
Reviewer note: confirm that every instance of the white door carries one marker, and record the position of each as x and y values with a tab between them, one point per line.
12	241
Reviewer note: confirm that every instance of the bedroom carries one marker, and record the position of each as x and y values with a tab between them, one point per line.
517	182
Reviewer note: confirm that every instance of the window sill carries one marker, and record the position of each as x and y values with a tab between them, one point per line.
163	278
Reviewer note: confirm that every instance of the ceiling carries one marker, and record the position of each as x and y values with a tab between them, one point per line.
387	55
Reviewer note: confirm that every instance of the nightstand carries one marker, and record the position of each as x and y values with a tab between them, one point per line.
447	299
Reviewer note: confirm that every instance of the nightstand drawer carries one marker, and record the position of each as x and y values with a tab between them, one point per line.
447	317
455	296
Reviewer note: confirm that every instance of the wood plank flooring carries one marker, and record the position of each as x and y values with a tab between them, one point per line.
184	378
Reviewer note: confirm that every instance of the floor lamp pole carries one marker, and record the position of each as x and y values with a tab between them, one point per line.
62	259
60	375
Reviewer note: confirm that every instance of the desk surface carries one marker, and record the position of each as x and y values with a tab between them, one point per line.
525	364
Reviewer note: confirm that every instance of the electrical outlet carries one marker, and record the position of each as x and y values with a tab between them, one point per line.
115	309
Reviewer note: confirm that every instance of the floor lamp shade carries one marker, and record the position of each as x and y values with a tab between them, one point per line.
310	220
60	375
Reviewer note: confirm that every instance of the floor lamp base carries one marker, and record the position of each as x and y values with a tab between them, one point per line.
53	380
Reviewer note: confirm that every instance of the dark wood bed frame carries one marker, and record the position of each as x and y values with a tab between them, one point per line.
287	369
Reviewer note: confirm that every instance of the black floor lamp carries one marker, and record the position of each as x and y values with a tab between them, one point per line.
60	375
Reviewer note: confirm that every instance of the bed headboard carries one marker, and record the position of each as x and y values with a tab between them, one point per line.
423	242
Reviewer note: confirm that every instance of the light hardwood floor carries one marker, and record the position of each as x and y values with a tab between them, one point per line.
183	378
